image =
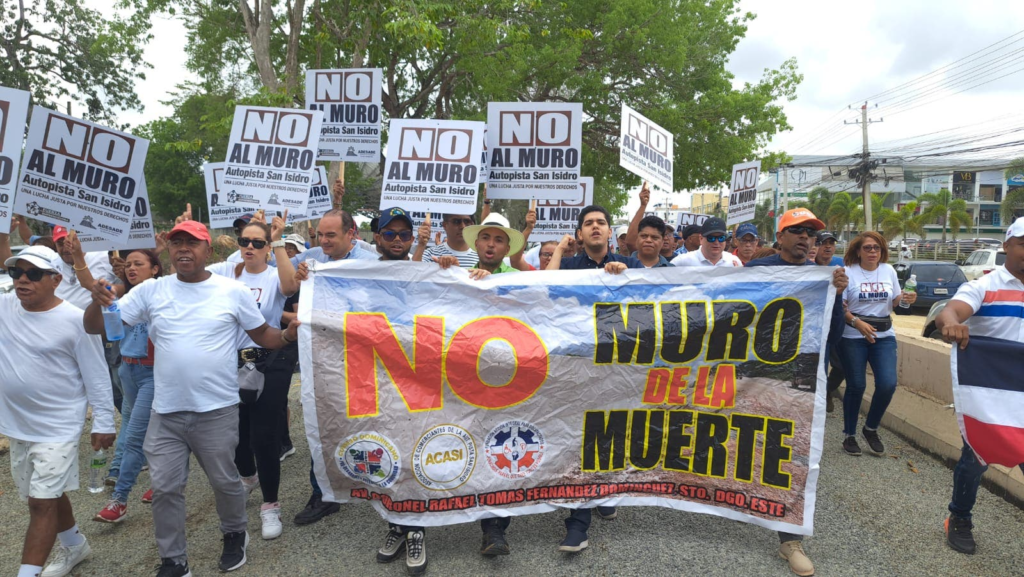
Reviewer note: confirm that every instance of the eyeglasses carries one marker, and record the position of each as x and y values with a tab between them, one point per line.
798	230
547	254
871	248
33	274
390	235
746	240
255	242
461	222
719	238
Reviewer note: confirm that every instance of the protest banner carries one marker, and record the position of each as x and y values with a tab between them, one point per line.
557	218
320	200
743	192
534	150
685	219
13	114
80	175
271	158
436	220
645	149
525	392
350	100
222	212
433	166
142	234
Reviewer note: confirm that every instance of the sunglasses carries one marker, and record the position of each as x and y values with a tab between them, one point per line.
828	241
798	230
255	242
33	274
719	238
390	235
461	221
871	248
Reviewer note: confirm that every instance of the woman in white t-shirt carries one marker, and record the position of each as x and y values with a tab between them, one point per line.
869	337
261	421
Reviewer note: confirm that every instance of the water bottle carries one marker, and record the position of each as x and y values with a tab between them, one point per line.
112	322
909	287
96	469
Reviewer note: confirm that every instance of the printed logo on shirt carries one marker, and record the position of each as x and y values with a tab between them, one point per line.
874	291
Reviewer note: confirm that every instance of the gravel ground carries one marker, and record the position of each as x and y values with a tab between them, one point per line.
875	516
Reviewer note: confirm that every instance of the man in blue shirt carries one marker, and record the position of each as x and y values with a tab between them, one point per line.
594	231
826	243
335	235
691	239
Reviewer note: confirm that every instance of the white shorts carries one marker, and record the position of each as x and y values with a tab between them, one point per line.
44	470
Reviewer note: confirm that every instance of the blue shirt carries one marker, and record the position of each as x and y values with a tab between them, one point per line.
836	329
662	261
583	261
316	253
681	250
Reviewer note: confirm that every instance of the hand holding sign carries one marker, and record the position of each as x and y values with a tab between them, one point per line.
531	218
339	192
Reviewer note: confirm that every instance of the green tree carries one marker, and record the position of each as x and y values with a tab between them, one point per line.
62	50
877	206
764	220
942	208
1013	198
902	223
841	212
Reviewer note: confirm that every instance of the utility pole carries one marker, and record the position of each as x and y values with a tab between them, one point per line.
862	173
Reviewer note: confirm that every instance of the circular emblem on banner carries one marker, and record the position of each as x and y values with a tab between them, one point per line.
514	449
444	458
370	458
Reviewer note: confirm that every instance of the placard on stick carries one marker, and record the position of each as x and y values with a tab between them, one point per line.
645	149
743	193
13	113
534	150
351	102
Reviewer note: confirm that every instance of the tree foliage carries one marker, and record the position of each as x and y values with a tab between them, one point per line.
942	208
902	223
1013	199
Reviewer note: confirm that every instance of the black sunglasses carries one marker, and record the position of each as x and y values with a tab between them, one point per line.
390	235
33	274
461	221
255	242
801	230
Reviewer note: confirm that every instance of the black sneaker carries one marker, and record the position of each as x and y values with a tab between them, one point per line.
851	447
574	542
607	513
415	553
233	556
394	544
494	543
171	569
315	510
959	536
874	441
287	451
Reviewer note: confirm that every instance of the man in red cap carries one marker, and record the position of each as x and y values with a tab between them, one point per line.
194	317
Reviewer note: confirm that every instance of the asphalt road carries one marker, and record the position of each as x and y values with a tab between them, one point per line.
875	516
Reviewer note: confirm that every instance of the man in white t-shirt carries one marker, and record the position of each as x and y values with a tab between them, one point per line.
990	306
712	247
193	317
49	370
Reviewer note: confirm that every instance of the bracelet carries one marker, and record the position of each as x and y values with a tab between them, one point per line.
86	267
487	201
277	244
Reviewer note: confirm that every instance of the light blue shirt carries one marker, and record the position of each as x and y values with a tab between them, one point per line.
316	253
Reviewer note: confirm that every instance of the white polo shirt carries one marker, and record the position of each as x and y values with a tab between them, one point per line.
997	300
696	258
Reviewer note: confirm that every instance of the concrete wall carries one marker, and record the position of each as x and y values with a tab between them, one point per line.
923	367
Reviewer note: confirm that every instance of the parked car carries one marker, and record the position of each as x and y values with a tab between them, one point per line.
936	281
981	262
988	242
930	331
910	242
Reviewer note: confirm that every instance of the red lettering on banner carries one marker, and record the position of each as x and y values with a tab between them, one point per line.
665	387
723	389
531	363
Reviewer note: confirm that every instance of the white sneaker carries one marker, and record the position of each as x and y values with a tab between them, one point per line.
270	515
66	558
250	483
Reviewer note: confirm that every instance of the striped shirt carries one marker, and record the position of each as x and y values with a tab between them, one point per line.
997	300
467	258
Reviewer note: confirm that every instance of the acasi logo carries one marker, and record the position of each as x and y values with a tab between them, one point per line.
78	140
434	144
444	458
534	128
277	127
644	132
354	86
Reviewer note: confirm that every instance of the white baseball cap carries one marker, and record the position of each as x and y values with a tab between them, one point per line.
622	230
1016	229
39	255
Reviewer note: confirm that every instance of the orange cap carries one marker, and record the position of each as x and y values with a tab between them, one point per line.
800	216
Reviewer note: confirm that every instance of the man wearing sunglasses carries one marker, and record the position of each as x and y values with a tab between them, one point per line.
394	234
712	247
455	244
49	370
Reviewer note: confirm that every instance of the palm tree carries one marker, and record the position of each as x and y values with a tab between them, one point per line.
840	211
764	220
943	208
877	206
902	223
1013	200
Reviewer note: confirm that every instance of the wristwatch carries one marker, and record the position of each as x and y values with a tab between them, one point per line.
277	244
852	321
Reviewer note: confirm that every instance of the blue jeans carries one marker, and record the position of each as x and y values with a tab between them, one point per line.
856	354
137	381
966	479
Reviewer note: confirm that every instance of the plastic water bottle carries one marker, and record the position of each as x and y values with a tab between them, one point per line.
112	321
909	287
96	468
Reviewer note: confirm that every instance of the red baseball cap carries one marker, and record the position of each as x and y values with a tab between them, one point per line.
59	232
193	228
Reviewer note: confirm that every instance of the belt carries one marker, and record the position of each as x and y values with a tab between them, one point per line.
134	361
253	355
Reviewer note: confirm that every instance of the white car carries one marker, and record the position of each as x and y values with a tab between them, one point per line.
981	262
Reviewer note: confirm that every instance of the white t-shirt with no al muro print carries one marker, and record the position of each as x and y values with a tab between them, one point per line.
870	293
194	329
266	292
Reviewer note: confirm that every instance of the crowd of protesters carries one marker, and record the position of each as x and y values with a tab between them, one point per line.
209	351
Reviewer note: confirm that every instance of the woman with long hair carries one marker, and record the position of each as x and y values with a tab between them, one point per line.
262	416
869	338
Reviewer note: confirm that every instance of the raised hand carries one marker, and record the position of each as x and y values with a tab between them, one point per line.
277	225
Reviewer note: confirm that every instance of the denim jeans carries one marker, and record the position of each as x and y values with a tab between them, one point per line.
966	479
856	354
125	408
137	381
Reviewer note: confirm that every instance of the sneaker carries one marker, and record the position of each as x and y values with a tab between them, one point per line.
415	553
111	478
607	513
171	569
494	543
959	536
233	555
287	452
574	542
793	551
270	517
393	546
250	483
65	559
147	497
315	510
851	447
114	512
874	441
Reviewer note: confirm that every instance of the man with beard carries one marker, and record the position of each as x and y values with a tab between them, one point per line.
712	247
394	234
826	242
746	241
454	243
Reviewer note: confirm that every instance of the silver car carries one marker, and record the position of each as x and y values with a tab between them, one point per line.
929	322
